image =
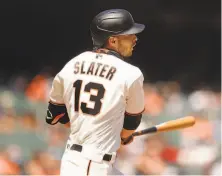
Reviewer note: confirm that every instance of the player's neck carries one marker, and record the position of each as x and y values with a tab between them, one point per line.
109	51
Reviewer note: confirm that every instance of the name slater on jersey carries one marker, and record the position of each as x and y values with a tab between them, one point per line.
96	69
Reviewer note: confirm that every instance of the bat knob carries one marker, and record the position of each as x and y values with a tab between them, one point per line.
127	140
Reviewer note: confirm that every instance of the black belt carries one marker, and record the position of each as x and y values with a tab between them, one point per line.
76	147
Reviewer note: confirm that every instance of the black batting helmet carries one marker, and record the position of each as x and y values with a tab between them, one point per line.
113	22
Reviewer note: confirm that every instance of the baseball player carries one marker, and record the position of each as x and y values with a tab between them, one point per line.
100	96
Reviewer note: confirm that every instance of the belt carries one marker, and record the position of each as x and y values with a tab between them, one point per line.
76	147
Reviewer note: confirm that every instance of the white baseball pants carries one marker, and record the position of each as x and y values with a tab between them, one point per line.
73	163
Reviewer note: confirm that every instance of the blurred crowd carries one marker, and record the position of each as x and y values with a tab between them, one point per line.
29	146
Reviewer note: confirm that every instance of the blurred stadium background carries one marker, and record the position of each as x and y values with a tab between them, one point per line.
179	54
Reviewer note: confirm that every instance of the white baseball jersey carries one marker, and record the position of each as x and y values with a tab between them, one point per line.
97	90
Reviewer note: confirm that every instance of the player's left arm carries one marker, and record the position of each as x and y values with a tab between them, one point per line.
134	107
57	111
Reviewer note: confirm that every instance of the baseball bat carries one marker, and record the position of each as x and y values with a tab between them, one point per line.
171	125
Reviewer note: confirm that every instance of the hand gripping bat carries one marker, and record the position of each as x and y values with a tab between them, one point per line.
171	125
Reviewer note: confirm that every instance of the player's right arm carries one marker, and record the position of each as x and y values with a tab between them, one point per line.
134	106
57	111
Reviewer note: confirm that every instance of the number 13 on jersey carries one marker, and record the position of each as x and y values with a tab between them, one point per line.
94	98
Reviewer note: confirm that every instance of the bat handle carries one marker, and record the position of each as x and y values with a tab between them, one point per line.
138	133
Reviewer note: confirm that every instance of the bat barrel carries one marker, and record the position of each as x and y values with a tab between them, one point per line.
176	124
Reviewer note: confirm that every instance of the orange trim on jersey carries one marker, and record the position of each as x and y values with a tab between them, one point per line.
57	104
135	114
